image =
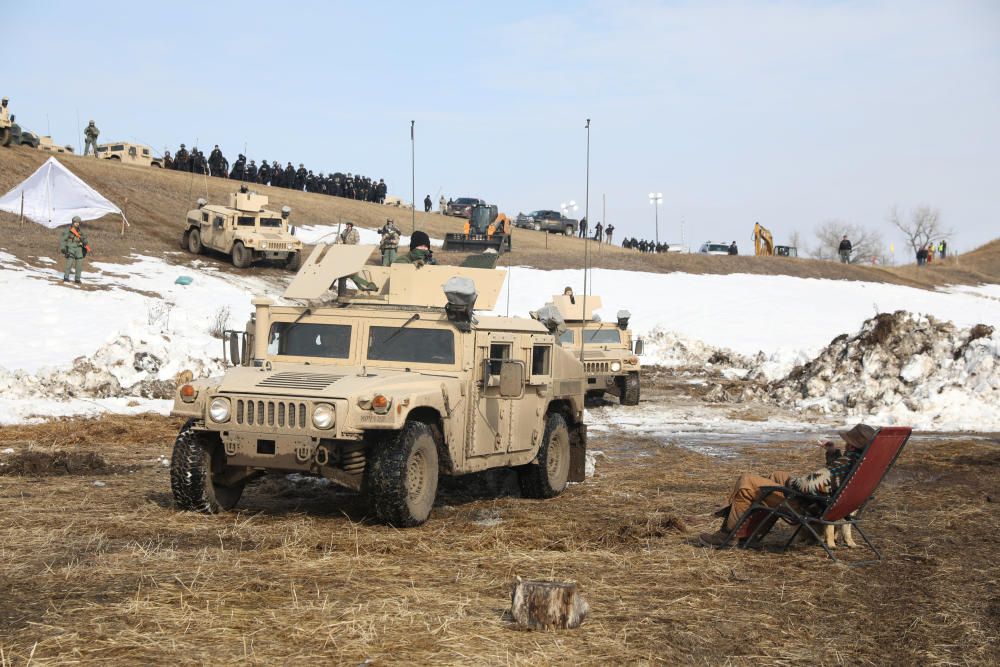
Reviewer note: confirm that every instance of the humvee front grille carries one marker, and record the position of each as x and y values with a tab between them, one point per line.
598	367
269	413
297	380
273	245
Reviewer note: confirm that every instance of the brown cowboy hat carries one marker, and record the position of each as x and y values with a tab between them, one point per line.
859	437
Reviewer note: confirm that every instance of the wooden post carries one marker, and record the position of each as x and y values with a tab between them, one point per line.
20	222
124	209
546	605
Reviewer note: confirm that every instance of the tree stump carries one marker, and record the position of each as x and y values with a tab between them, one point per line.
547	605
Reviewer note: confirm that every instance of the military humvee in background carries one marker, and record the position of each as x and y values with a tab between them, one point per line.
383	392
123	151
611	361
245	230
45	143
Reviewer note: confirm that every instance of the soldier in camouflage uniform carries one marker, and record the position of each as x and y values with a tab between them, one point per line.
389	243
350	236
73	246
90	134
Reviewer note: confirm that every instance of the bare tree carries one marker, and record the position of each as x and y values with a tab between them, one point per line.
795	240
867	244
923	226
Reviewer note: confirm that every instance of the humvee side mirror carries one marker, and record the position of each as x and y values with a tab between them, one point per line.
234	348
638	347
511	378
247	348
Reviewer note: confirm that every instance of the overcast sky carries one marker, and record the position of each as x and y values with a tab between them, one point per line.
790	113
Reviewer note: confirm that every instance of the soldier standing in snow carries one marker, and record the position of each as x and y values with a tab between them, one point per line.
73	246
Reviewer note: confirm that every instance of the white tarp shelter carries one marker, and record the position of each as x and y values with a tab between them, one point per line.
53	195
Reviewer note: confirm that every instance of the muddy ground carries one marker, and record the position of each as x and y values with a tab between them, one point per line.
98	566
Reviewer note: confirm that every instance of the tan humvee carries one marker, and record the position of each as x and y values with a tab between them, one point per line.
245	230
383	391
45	143
123	151
611	361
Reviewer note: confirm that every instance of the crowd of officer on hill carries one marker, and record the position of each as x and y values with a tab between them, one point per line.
644	246
352	186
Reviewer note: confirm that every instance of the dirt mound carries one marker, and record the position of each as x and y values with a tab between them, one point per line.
899	367
40	463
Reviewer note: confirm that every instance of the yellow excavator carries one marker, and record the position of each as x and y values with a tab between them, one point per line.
486	228
763	242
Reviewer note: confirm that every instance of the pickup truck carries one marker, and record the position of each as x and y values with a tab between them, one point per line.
549	221
462	207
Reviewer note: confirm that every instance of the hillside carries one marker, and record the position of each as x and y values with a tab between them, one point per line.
156	202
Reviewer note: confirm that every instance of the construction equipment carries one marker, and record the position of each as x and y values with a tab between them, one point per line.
486	228
763	242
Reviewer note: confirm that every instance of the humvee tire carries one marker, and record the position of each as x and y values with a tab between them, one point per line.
548	477
629	389
184	239
401	476
5	136
194	242
191	473
241	256
294	260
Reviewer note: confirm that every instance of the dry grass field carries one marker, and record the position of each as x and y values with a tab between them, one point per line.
99	567
157	202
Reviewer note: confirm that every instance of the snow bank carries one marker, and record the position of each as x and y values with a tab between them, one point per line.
902	369
314	234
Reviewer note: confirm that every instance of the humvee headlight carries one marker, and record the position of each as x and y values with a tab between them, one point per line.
324	416
616	366
219	410
633	360
380	404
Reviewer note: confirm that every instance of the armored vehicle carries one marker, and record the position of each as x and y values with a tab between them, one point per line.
381	392
486	228
610	358
245	230
45	143
12	134
122	151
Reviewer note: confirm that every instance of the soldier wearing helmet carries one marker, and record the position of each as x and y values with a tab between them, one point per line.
74	248
90	134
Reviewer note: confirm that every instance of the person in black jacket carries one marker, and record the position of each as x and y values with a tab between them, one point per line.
845	250
733	250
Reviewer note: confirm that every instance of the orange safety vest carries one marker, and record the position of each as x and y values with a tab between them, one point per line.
467	227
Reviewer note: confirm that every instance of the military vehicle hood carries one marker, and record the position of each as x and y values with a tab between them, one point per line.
323	382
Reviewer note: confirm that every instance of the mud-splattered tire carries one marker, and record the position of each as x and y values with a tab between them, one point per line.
548	477
184	240
194	242
5	136
294	260
629	389
401	476
241	256
191	473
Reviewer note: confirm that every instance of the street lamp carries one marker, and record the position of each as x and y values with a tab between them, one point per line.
568	207
655	198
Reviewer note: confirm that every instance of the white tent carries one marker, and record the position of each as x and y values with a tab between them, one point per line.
53	195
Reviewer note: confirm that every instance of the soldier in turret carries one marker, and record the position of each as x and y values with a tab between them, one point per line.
90	134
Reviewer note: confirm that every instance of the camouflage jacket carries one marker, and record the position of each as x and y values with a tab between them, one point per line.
91	132
390	239
73	244
350	237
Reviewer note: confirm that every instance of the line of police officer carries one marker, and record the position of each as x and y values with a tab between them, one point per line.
644	246
352	186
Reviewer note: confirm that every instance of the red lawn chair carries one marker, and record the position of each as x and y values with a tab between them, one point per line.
807	511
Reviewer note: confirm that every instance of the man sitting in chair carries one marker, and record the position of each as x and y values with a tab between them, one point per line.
824	481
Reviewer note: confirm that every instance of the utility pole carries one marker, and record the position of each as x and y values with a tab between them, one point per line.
413	177
586	240
655	198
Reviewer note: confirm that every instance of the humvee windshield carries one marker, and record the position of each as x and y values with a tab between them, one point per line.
601	336
297	339
425	346
270	222
246	221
